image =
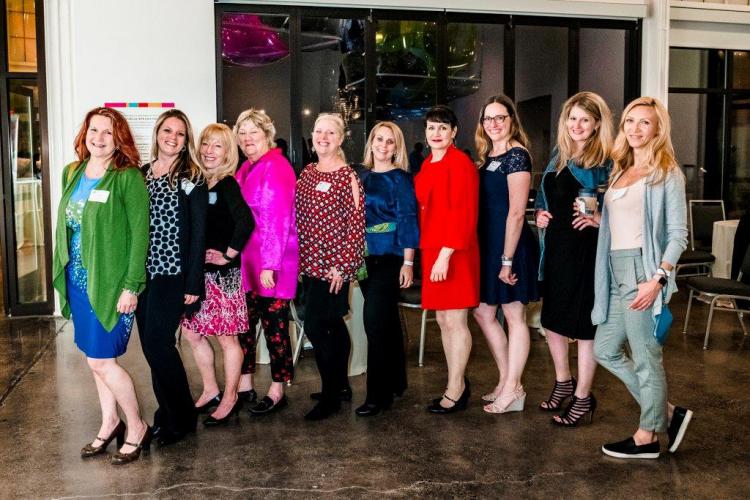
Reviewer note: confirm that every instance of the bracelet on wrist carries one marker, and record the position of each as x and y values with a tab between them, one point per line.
130	291
408	262
227	257
506	261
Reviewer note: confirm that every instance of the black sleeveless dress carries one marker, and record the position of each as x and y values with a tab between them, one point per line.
569	261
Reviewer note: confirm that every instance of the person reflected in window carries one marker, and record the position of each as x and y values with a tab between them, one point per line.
223	312
416	157
643	231
331	225
99	268
509	252
178	199
269	261
447	189
391	236
580	161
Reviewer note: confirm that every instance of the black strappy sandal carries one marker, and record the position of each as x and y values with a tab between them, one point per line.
578	408
561	392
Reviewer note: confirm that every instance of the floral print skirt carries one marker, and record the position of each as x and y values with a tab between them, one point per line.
223	311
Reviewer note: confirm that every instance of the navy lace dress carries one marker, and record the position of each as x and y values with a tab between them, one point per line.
494	204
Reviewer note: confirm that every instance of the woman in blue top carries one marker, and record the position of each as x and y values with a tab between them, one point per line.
568	240
643	232
391	235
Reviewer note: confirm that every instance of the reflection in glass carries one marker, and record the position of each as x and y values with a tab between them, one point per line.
697	139
333	68
28	209
602	65
256	68
740	70
541	83
21	23
696	68
738	173
475	72
406	74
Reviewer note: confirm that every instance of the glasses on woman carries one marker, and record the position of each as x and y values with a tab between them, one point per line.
498	119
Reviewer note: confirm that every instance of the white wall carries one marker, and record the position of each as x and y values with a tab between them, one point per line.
135	50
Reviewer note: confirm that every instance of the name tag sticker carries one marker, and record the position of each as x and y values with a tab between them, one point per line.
212	197
187	186
494	165
99	196
323	186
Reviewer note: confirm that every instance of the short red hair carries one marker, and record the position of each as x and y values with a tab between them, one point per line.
126	154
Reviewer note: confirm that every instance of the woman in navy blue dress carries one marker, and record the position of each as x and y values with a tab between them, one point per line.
392	235
508	251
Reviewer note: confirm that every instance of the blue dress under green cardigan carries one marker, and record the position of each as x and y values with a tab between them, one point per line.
89	334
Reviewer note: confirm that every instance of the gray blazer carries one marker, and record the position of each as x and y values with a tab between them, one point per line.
664	238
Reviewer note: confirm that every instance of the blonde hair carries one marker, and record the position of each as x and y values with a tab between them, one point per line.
261	120
598	147
400	158
222	133
660	156
186	164
483	142
340	128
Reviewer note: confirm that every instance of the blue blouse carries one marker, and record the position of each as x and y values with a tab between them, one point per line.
390	212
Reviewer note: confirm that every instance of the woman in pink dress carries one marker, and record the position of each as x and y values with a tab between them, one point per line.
269	261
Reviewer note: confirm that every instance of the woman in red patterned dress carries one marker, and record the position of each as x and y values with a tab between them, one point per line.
331	229
447	190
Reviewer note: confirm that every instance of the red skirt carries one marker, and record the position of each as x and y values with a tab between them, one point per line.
461	288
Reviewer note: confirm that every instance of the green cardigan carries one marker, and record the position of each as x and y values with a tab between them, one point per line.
114	240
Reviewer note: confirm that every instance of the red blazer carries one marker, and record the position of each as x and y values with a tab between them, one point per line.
448	196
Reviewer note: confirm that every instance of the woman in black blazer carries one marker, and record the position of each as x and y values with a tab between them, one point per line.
178	199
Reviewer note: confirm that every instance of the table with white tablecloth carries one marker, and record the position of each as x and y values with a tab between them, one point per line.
722	246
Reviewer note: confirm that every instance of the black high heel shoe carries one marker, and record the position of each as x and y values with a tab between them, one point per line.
117	433
211	403
212	421
458	404
576	410
144	445
467	387
560	392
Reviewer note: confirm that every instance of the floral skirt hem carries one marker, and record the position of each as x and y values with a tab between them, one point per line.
223	311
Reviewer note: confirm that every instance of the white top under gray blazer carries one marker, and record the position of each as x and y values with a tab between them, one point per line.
664	238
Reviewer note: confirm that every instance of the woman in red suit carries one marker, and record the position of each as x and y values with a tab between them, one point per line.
447	189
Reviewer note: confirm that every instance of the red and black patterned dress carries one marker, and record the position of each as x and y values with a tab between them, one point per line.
331	227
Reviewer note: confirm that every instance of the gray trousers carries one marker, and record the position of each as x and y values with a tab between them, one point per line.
643	371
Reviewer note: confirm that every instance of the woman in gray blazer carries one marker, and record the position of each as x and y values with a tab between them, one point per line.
642	233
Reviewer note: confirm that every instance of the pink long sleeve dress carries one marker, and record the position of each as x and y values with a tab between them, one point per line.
268	186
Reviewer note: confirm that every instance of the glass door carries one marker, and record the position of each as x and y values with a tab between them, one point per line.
27	283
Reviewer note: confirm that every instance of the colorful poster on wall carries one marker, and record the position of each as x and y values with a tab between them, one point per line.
141	117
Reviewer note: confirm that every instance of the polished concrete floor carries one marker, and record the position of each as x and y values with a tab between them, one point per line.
48	411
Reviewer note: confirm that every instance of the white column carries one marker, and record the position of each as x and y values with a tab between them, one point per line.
61	122
655	51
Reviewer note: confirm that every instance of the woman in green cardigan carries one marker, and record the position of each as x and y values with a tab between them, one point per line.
99	268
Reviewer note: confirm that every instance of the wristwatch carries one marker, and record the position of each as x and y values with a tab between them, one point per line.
663	275
227	257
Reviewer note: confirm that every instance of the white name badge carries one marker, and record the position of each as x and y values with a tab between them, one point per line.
323	186
99	196
187	186
494	165
212	197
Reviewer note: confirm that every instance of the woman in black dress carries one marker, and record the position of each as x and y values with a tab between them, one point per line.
581	161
